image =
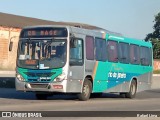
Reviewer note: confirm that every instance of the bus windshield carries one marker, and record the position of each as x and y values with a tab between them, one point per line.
41	54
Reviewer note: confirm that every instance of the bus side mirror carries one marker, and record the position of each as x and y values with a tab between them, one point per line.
10	46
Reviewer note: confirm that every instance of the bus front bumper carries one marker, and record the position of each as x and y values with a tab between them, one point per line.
43	87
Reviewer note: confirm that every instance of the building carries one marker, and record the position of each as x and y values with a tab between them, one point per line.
10	27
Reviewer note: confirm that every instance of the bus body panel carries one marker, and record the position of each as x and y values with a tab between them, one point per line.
77	74
117	77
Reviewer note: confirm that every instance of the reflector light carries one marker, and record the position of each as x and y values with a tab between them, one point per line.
58	86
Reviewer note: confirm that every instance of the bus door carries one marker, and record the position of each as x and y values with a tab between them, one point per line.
76	70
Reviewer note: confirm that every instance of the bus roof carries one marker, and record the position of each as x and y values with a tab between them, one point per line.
77	29
39	26
109	35
128	40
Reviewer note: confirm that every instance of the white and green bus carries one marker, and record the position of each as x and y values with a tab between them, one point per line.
66	59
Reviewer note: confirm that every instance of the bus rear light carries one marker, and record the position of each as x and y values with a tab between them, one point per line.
58	86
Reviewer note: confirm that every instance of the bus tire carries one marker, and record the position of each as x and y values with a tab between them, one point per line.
41	96
122	95
133	89
86	90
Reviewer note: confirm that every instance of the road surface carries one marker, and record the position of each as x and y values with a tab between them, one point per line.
12	100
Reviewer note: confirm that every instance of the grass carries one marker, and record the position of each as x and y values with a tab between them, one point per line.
156	72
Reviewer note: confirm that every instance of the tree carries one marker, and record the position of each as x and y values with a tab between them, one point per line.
155	37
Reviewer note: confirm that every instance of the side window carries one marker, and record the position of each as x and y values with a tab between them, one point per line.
89	48
123	50
101	50
76	53
150	56
112	51
144	55
134	54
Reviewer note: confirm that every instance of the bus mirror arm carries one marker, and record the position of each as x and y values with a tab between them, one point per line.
73	43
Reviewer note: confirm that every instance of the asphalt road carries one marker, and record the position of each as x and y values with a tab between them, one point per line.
12	100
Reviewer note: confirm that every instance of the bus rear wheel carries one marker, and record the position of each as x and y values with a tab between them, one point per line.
132	92
86	90
133	89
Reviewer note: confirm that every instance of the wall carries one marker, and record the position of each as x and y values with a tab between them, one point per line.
8	59
156	64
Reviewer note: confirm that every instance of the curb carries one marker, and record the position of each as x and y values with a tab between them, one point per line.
7	72
156	75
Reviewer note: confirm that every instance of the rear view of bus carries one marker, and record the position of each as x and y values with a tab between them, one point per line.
42	57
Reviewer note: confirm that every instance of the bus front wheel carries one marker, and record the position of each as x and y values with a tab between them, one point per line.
86	90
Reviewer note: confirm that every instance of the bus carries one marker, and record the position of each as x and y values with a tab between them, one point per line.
55	59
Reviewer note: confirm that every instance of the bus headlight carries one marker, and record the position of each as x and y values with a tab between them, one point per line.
60	77
19	77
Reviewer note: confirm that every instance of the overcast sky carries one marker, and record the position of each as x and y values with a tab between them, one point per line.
132	18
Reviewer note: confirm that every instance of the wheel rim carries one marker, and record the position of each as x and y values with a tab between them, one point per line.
133	89
86	90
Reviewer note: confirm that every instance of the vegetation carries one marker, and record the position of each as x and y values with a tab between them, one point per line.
155	37
156	72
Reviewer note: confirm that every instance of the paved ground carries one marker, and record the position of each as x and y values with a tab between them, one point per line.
11	100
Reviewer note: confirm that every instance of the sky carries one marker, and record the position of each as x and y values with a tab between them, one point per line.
132	18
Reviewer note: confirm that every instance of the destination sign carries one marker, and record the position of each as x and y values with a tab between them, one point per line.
31	62
43	32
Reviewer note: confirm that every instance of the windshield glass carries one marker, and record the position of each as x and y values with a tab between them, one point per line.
41	54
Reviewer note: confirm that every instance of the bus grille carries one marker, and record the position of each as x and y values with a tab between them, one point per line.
39	85
31	74
36	80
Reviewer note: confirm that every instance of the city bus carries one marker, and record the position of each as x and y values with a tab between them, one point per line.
65	59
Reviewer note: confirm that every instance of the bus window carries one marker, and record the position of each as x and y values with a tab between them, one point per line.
112	51
89	48
144	56
123	49
150	56
76	53
134	54
101	50
51	53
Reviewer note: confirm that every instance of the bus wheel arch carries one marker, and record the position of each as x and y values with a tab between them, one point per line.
89	77
86	89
